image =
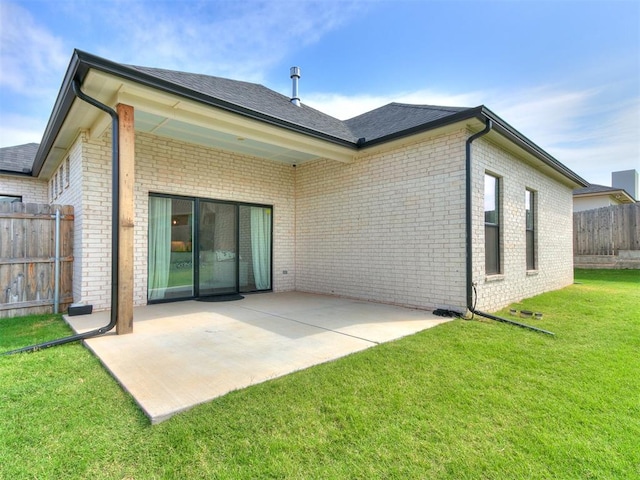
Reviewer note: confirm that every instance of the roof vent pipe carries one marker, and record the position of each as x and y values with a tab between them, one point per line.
295	76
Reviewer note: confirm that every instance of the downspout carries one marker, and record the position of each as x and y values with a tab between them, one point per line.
56	275
469	242
115	244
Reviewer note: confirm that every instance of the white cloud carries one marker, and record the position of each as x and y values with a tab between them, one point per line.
20	129
30	56
243	40
609	142
236	40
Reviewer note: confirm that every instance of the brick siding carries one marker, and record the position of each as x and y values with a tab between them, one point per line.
388	227
554	229
172	167
30	189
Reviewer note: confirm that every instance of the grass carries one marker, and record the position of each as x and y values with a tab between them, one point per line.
468	399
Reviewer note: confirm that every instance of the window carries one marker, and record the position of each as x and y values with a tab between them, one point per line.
530	228
10	198
67	172
55	185
491	224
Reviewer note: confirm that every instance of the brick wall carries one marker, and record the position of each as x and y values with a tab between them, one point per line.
166	166
30	189
73	194
388	227
172	167
554	229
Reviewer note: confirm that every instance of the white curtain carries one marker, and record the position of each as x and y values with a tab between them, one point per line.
261	246
159	246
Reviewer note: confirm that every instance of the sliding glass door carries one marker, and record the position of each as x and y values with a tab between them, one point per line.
200	247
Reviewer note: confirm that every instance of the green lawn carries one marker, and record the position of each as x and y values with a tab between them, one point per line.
465	400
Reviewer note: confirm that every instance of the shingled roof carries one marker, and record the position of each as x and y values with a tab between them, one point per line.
19	158
382	122
256	98
594	189
397	117
257	102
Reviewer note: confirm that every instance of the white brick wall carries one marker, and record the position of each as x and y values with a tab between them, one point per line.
166	166
172	167
554	229
73	195
388	227
30	189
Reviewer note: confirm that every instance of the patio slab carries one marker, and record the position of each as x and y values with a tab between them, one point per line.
186	353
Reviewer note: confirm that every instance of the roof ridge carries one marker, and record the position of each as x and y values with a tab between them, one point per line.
430	107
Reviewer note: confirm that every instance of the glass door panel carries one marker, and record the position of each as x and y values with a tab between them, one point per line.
255	248
218	263
170	265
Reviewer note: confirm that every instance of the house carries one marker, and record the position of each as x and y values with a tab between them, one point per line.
227	187
624	190
16	182
598	196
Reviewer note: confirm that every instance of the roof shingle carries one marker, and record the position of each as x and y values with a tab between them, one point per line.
396	117
256	98
18	158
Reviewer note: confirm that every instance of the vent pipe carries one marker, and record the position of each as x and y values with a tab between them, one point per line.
295	76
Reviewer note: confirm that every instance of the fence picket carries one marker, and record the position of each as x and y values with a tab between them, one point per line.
607	230
27	258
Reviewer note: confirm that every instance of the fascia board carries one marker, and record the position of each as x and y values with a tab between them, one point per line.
507	131
84	65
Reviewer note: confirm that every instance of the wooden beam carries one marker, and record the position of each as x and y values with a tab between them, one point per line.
125	221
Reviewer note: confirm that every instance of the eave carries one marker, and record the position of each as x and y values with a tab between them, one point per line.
161	103
618	195
165	106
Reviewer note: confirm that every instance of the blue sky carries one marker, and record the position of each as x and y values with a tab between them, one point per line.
565	73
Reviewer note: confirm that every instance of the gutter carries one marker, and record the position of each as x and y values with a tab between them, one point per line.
17	174
471	286
115	240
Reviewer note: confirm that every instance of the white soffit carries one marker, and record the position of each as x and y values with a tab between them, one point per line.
171	116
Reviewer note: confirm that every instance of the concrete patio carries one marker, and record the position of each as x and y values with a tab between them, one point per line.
186	353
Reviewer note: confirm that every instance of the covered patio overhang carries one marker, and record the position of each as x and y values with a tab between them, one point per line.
186	353
170	115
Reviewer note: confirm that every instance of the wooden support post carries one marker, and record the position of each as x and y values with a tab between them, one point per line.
125	222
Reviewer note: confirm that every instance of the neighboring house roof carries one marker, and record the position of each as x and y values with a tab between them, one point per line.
18	159
593	190
256	102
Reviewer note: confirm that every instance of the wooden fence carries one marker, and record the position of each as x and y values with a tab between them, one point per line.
27	258
607	230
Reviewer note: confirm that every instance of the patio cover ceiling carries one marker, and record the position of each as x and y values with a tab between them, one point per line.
171	116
